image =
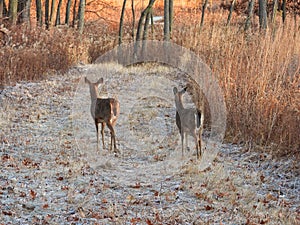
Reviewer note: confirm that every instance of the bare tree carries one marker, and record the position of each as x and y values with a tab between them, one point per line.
171	14
39	15
47	4
230	12
1	9
146	25
74	13
57	20
250	15
262	9
133	18
121	22
283	7
68	9
13	11
81	12
274	10
203	13
166	20
24	11
52	13
142	18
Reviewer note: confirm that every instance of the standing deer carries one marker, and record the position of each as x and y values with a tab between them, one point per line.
104	111
188	121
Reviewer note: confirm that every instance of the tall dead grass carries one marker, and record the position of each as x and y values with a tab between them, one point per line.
32	53
260	77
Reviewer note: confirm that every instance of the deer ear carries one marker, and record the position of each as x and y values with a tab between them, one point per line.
86	80
100	81
175	90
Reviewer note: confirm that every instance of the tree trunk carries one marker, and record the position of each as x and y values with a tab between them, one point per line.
13	11
133	18
4	10
39	15
57	21
121	22
52	14
203	13
141	20
274	10
171	14
230	12
146	25
68	9
283	7
74	13
166	20
250	15
262	8
81	12
1	9
47	13
24	10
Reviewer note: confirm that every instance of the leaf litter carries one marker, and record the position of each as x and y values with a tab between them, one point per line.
51	173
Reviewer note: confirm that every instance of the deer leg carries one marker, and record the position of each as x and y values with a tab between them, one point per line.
197	144
182	140
112	136
97	132
102	133
186	142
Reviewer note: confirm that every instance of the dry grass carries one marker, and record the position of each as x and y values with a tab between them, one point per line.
32	53
260	76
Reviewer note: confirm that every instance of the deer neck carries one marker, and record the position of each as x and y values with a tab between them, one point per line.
94	96
179	105
94	93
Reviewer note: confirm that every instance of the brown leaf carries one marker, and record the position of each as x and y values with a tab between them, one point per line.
264	221
148	221
59	178
136	185
200	195
32	194
208	207
7	213
134	221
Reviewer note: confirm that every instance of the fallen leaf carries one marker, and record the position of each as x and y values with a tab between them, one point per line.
208	207
200	195
32	194
59	178
7	213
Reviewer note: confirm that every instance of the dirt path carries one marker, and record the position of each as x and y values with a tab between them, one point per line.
51	174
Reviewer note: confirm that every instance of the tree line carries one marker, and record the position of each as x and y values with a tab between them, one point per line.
48	12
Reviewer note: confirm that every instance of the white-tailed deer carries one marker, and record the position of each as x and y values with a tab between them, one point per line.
188	121
104	111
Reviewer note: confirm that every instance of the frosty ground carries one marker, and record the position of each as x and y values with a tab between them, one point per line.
51	172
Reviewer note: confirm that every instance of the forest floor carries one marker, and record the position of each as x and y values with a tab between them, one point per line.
51	172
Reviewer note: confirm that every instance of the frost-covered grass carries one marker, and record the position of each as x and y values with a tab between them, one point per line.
46	178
